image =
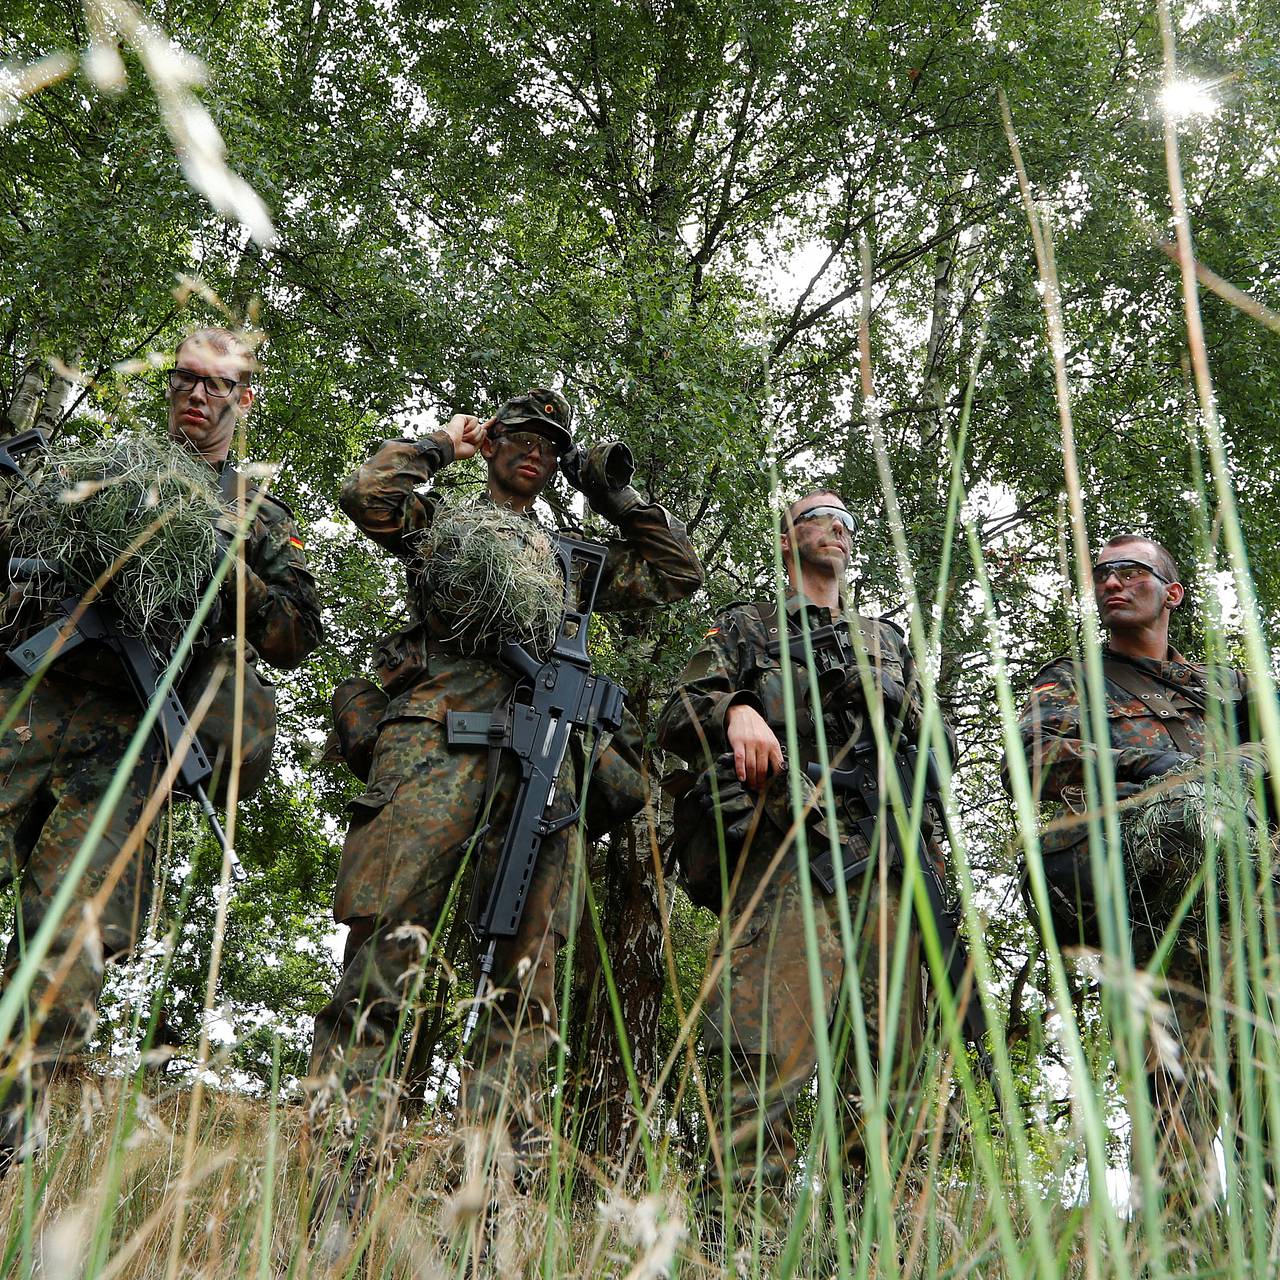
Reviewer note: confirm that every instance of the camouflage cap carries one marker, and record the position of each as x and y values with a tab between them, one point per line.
542	410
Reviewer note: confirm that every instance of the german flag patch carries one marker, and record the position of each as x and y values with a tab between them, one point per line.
715	631
295	541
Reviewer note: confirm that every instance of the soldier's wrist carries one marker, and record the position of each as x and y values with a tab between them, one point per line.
614	504
743	700
442	442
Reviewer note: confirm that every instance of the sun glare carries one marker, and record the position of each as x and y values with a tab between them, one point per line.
1185	98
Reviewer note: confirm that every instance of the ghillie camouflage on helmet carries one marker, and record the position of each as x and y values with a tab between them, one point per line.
135	512
492	575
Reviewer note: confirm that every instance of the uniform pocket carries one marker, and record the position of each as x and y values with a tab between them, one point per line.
372	801
364	875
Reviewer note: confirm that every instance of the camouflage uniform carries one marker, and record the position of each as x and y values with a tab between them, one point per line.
61	751
1156	723
763	998
411	829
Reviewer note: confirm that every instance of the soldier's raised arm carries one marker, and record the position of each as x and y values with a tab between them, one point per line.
654	561
381	495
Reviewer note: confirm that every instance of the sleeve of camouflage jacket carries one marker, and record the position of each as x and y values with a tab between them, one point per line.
652	563
382	498
282	609
710	684
1055	743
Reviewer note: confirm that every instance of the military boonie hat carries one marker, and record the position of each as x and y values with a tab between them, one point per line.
542	410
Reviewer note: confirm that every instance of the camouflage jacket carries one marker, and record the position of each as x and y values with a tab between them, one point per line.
282	609
1156	721
735	666
652	563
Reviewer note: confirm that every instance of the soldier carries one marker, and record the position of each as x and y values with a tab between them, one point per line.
1159	708
728	719
63	745
415	829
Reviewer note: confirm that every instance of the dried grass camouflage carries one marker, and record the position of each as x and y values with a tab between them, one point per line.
140	512
493	576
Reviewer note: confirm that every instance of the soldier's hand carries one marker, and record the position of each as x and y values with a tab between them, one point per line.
466	431
756	750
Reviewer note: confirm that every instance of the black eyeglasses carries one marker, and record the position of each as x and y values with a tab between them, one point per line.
185	379
836	515
1125	570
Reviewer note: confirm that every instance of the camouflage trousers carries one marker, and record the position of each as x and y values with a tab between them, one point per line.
760	1020
409	847
57	759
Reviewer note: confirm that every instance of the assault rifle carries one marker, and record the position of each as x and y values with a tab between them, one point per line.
858	775
552	700
97	623
15	446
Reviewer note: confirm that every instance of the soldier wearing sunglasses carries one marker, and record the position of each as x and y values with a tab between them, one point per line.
1160	711
728	719
413	827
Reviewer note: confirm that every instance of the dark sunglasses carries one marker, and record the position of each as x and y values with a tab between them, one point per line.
1125	570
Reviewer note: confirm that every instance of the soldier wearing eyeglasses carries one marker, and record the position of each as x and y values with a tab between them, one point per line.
415	826
728	718
60	755
1160	711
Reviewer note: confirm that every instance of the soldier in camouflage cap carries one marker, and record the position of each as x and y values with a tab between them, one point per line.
412	833
727	719
59	754
1159	707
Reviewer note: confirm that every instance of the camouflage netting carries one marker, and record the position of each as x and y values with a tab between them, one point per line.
1168	832
493	576
145	506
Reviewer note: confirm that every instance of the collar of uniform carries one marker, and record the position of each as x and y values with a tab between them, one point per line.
1171	658
797	600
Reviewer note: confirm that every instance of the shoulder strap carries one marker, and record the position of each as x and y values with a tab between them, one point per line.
1130	681
767	612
